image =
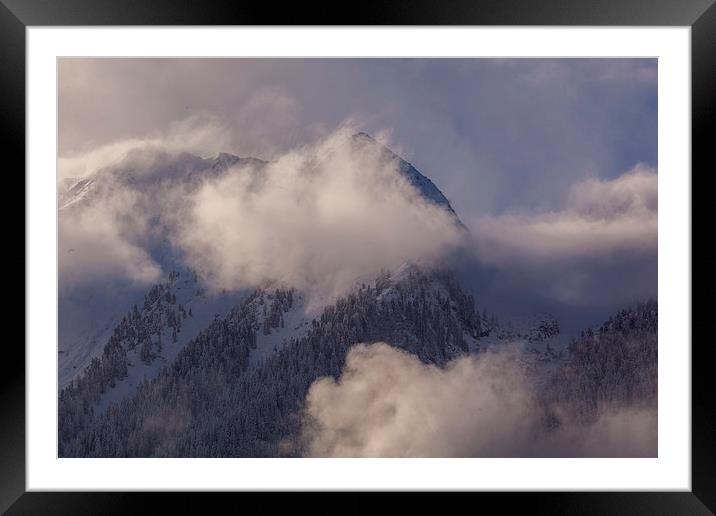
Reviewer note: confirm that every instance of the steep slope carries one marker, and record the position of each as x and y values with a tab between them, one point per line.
612	365
214	400
146	182
421	183
147	170
89	312
150	169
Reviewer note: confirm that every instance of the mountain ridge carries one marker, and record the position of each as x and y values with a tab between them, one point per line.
215	373
184	165
148	172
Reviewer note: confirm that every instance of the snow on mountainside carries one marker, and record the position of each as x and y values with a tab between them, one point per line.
148	169
178	370
152	334
172	318
615	364
152	168
77	354
212	403
424	185
536	330
74	190
176	327
146	337
423	312
89	314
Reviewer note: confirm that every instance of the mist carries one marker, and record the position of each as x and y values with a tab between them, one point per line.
601	218
387	403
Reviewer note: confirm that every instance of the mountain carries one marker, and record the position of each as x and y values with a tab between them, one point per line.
180	370
245	375
147	170
230	392
151	169
146	181
615	364
89	312
422	184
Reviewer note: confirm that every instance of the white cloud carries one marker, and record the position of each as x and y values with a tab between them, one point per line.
317	218
199	134
601	219
387	403
103	242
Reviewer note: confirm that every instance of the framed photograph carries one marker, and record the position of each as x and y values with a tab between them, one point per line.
422	248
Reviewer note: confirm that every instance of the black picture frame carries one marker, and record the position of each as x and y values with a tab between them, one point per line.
16	15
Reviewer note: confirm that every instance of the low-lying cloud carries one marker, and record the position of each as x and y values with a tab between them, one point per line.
104	241
599	249
387	403
602	218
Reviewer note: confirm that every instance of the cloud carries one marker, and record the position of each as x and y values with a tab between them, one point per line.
602	218
387	403
268	123
495	134
102	242
317	218
200	134
617	432
598	249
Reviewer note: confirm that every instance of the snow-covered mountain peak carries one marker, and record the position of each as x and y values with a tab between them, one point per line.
225	160
146	170
422	183
149	168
